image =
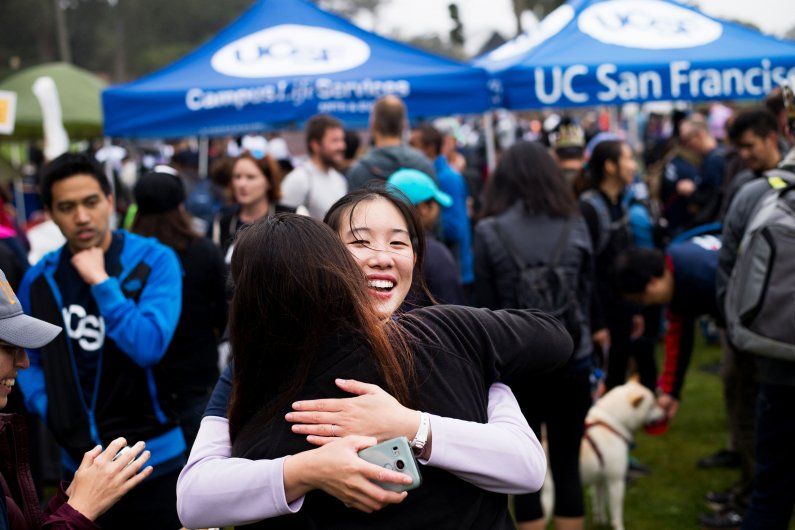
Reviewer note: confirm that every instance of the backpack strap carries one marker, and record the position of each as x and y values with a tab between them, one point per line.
593	198
779	178
561	245
509	246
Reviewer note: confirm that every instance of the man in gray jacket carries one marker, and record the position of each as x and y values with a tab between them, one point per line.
773	491
387	121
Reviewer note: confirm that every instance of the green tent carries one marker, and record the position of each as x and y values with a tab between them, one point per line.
79	92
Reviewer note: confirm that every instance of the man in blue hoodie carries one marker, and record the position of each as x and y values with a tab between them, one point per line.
118	298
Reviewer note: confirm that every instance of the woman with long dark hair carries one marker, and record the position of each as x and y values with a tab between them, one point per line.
384	244
532	221
612	168
189	368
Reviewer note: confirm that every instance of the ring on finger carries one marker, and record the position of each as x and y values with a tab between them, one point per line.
332	430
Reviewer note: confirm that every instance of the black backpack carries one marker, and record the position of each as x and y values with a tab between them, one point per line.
546	286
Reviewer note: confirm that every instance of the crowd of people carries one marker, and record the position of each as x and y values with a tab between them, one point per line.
369	296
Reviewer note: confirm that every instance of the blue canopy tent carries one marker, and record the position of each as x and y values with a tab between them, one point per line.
281	62
607	52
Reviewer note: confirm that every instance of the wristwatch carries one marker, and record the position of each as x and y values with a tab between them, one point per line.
421	438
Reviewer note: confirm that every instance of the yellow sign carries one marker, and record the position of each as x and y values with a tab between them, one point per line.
8	111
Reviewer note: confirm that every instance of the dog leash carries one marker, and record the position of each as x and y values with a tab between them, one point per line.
593	445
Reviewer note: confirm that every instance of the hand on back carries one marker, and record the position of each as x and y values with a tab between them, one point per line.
373	412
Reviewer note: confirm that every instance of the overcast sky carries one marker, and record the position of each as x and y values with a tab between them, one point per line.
481	17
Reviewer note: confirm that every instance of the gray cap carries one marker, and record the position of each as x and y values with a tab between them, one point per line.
17	328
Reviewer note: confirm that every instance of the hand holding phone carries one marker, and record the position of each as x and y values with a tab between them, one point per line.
394	455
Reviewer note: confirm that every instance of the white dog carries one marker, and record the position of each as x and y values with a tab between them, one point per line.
604	452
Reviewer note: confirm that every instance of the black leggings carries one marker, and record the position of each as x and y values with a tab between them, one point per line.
560	402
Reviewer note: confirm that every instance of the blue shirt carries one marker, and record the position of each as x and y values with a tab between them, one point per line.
456	228
219	400
694	264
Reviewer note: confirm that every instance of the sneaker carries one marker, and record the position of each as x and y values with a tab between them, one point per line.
723	519
720	500
723	458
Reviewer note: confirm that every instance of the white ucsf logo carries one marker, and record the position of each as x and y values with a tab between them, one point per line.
650	24
87	330
290	49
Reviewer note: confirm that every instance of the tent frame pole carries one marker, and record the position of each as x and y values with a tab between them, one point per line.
204	155
106	142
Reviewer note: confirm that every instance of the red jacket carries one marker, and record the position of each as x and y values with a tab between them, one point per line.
21	502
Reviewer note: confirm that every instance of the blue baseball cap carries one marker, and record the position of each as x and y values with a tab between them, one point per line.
418	187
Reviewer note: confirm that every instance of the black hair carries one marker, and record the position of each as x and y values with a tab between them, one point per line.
316	129
607	150
570	152
431	137
635	268
352	143
69	165
528	173
759	121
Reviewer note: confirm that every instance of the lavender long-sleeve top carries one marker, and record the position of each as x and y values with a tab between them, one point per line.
215	489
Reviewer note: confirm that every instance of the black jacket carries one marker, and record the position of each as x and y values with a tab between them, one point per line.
190	365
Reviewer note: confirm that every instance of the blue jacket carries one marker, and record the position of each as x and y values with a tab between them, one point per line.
455	219
141	308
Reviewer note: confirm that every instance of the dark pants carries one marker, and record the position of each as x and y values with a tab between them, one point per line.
560	402
773	495
642	349
622	348
740	389
151	505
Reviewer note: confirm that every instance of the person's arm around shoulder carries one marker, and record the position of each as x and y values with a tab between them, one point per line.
144	329
510	344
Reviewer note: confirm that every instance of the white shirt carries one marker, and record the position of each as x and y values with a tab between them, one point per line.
309	186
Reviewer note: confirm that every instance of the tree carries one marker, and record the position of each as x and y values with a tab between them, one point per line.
349	8
540	7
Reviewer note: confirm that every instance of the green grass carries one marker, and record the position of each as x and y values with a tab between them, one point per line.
672	497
